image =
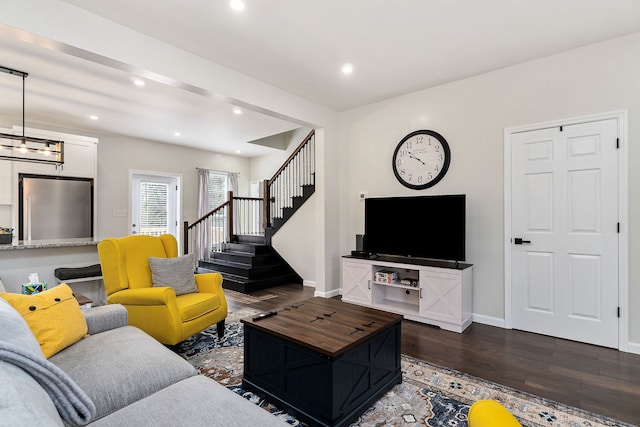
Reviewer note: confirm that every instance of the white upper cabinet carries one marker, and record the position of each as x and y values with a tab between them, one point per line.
80	156
5	182
79	159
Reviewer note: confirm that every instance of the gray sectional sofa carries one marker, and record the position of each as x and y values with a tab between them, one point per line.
116	376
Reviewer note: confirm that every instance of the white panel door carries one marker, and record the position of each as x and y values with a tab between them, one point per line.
565	232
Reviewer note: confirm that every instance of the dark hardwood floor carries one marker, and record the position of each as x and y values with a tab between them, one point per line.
596	379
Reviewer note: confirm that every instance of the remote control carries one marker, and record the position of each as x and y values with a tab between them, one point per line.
265	315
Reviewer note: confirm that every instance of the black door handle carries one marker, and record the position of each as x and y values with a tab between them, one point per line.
519	241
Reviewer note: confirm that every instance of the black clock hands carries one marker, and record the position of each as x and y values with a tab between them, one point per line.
414	157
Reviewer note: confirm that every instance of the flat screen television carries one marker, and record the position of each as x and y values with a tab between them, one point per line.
423	226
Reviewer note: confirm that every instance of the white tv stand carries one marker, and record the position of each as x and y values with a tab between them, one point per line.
441	295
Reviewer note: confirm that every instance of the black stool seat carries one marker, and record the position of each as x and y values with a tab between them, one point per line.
70	273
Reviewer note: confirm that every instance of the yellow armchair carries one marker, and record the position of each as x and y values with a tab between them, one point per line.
157	310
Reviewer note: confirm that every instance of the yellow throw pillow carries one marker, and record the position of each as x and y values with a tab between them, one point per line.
54	317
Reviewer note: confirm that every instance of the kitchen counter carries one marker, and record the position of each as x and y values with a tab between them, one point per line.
43	244
19	261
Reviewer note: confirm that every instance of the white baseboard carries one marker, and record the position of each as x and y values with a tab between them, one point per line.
494	321
488	320
330	294
633	347
309	283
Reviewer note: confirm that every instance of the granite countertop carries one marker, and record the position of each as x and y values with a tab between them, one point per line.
40	244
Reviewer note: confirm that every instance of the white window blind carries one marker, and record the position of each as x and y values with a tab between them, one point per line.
154	205
217	189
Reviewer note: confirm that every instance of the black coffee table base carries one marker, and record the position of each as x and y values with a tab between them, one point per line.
315	388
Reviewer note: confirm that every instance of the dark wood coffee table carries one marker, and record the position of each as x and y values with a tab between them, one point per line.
323	360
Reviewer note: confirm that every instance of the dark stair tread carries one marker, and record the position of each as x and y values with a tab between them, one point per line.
240	284
227	276
215	261
252	248
249	272
243	253
250	238
244	258
243	265
244	280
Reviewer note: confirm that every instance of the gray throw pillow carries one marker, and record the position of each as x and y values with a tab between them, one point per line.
176	273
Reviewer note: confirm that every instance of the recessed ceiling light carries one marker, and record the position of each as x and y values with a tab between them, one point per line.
177	134
238	152
93	117
139	82
347	68
237	111
237	5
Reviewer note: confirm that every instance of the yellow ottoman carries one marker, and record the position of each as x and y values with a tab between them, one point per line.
489	413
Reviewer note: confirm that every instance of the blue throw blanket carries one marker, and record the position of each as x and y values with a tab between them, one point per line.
73	405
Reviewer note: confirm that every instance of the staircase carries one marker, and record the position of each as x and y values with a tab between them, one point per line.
288	211
241	229
250	265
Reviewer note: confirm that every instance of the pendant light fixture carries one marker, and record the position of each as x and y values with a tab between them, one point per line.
24	148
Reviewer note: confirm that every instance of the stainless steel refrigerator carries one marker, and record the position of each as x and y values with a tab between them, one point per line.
55	207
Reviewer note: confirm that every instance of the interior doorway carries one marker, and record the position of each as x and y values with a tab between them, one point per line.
565	216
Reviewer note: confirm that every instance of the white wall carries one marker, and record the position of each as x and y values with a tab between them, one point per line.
295	243
117	155
472	115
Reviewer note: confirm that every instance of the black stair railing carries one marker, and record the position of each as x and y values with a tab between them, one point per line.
289	181
250	215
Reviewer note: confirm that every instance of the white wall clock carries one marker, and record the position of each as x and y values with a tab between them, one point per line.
421	159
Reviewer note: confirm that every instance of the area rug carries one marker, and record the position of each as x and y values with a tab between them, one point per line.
246	299
429	395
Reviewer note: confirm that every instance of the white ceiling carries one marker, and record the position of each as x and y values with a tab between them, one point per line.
63	91
395	46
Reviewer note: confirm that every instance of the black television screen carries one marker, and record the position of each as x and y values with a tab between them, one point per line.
423	226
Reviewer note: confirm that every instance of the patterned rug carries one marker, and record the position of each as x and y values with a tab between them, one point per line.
428	396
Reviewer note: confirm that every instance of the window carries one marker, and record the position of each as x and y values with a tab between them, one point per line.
154	204
217	189
217	183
